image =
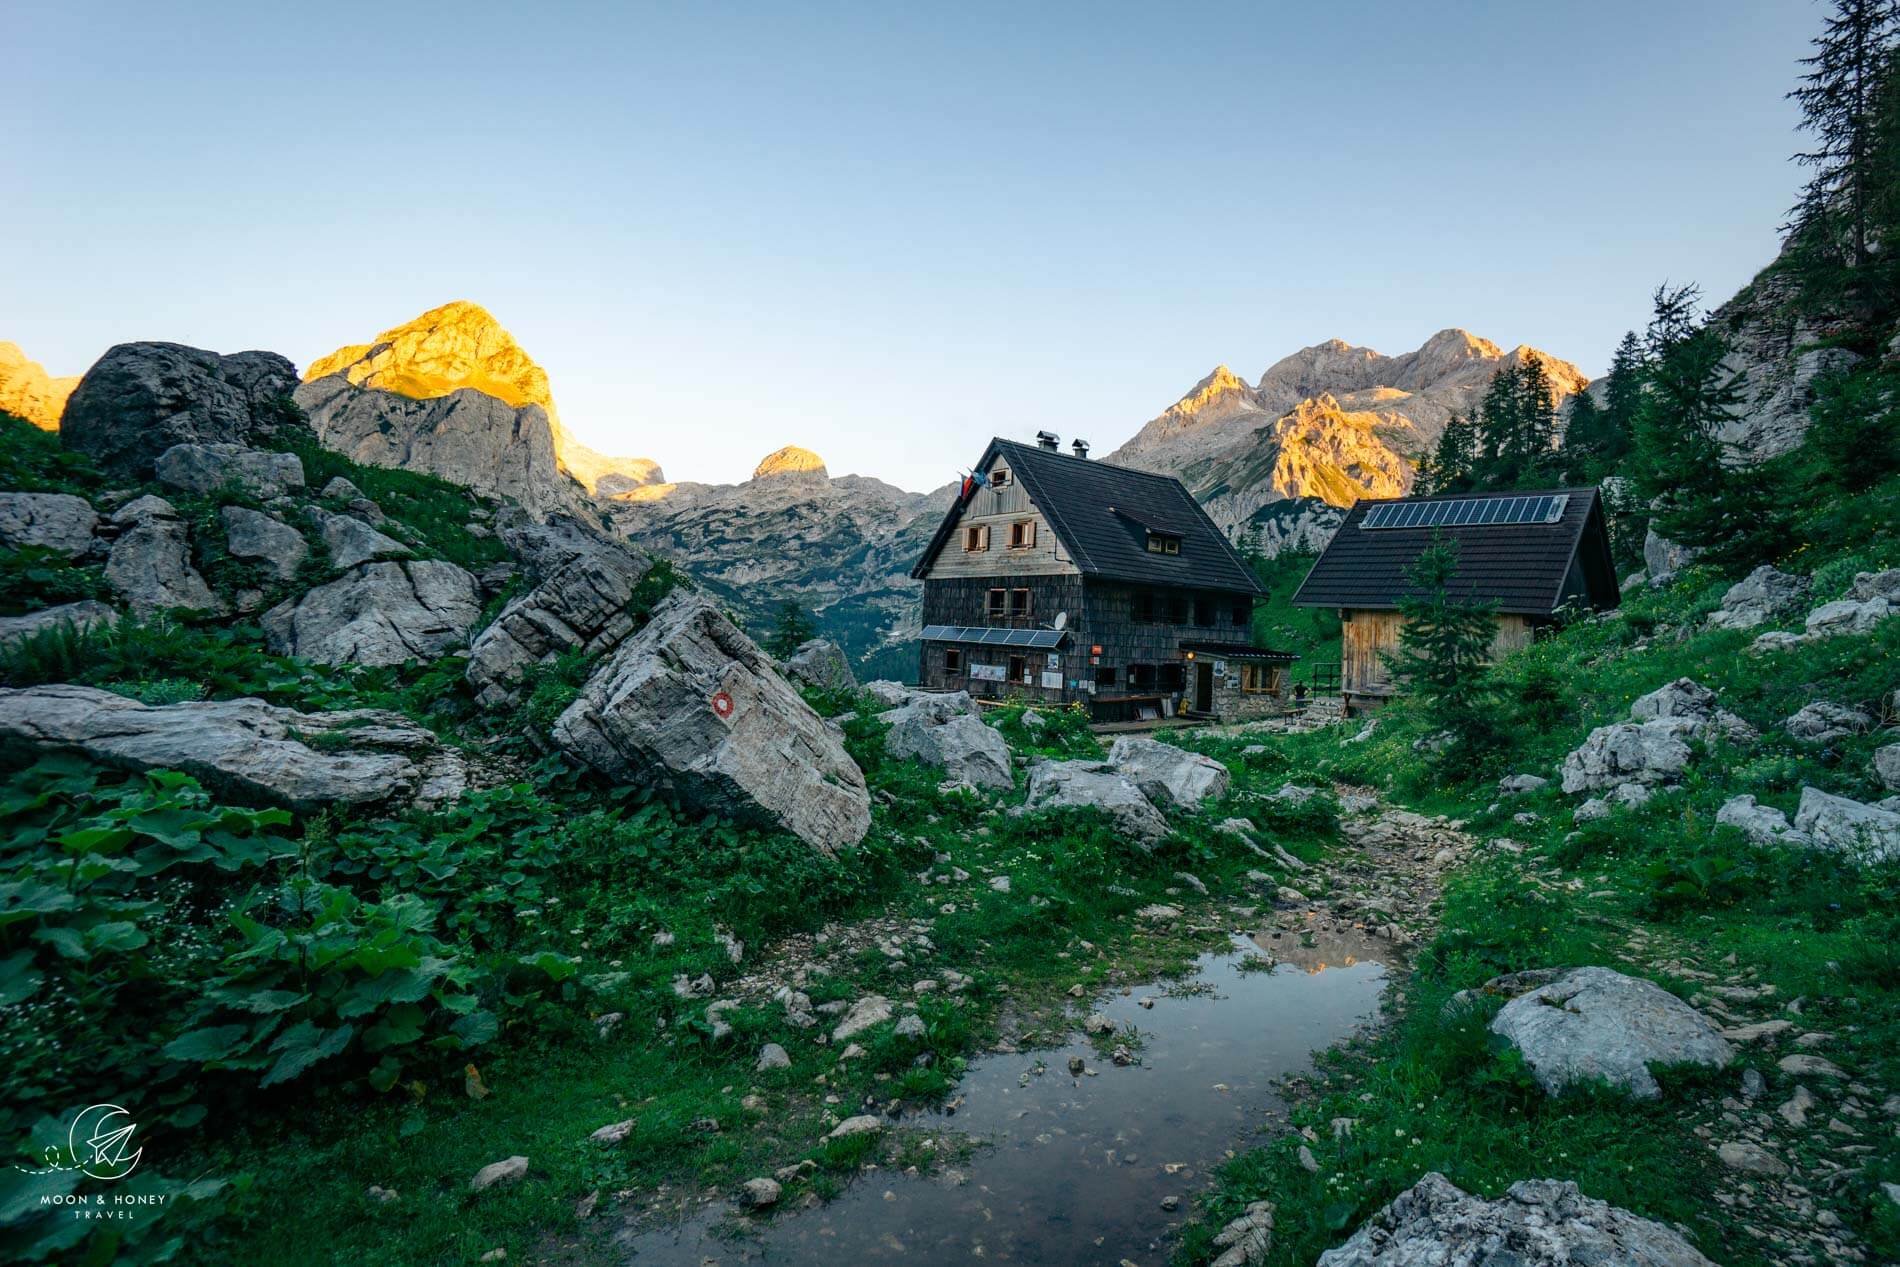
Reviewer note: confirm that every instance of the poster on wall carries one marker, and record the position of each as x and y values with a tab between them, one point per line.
989	673
1053	680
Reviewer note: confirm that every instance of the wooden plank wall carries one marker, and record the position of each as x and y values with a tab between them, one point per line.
999	508
1365	639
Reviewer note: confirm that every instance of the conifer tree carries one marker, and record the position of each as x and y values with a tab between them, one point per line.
1448	467
792	629
1444	652
1621	393
1840	100
1536	419
1500	431
1581	458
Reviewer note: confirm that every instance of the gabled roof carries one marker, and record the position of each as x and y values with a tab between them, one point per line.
1520	567
1102	513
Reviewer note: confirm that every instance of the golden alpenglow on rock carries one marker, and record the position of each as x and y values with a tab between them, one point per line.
790	460
28	391
457	345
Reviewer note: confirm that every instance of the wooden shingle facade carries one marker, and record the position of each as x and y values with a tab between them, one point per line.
1056	579
1526	555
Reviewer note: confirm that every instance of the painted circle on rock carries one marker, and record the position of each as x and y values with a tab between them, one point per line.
722	704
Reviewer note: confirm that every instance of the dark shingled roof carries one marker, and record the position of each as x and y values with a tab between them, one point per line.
1101	513
1522	568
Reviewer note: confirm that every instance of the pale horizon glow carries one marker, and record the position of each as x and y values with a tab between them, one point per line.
886	233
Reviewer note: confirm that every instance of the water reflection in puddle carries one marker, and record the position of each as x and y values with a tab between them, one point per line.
1077	1168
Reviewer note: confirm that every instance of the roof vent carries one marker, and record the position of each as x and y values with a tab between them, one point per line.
1081	448
1048	440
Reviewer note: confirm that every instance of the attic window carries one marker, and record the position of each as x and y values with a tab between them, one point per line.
999	478
1163	543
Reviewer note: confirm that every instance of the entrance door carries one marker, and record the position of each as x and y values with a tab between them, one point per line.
1203	687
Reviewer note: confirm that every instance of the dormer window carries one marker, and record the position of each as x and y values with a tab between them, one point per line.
999	478
1163	543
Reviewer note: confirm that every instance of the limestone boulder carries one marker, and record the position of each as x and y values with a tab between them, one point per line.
1762	824
351	541
140	399
584	583
58	522
1761	596
1630	752
252	534
245	750
1095	785
944	731
1824	721
1869	586
891	694
150	564
1847	616
1167	775
80	616
821	663
379	614
206	468
1596	1023
1868	833
1886	764
1536	1223
692	704
1663	558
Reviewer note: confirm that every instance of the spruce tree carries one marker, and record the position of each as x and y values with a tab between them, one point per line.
1444	652
792	629
1500	431
1536	420
1840	100
1447	469
1581	459
1621	393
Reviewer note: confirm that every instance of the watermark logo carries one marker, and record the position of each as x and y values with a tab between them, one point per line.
99	1143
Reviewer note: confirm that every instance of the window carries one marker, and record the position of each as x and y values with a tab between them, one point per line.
976	538
1018	669
1243	614
1022	534
953	660
1173	676
1019	604
1163	543
1141	676
1260	679
1177	610
1144	602
1203	611
997	598
999	478
1105	675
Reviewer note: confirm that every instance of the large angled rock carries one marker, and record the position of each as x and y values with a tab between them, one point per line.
584	583
944	731
1595	1023
80	616
242	749
1868	833
206	468
1630	752
140	399
1095	785
1167	775
1886	764
1868	586
58	522
350	541
1762	824
692	704
1847	616
1759	597
1663	558
150	564
380	614
1536	1223
1688	699
821	663
1824	721
252	534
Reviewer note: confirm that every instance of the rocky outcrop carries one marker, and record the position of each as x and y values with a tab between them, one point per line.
140	399
1774	352
252	534
1332	422
821	663
351	541
1824	721
583	585
1596	1024
944	731
1536	1223
1867	833
80	616
27	391
1761	824
1167	775
1760	597
1886	765
1055	785
1871	599
1653	747
58	522
692	704
150	564
791	461
244	749
1663	558
452	394
379	614
205	468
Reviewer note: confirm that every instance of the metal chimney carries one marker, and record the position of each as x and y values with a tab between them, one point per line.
1049	440
1081	448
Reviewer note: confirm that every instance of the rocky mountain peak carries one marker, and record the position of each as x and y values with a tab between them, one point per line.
790	460
28	391
444	350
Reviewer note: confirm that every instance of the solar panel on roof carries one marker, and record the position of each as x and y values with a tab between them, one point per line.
984	636
1458	512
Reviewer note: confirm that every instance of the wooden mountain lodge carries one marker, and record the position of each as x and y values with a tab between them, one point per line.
1055	579
1526	555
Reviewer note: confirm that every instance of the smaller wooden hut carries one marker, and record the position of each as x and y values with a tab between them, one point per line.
1525	554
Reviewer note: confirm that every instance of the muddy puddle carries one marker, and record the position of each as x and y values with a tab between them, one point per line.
1075	1170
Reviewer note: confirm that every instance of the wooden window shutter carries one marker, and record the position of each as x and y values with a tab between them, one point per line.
1029	533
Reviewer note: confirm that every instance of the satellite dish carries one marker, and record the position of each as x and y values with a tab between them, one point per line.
1061	621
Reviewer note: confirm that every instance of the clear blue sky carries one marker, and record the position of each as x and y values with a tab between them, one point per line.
886	231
